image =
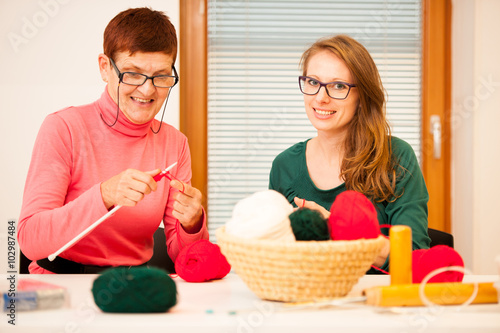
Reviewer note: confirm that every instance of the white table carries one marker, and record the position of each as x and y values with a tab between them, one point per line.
229	306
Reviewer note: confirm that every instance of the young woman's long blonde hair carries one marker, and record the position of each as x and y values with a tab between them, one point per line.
367	166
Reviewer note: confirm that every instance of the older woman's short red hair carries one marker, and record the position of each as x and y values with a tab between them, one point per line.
140	30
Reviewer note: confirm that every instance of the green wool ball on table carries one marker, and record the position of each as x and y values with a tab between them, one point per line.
309	225
134	290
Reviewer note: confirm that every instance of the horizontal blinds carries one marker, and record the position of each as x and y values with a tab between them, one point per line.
255	109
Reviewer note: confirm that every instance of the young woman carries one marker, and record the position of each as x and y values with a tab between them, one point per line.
353	150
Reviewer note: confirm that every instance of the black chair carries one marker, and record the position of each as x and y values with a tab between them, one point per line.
160	258
439	237
24	262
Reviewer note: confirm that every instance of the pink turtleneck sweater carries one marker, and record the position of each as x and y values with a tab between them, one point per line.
74	152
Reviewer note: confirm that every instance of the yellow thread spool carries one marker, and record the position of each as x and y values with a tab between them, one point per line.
400	255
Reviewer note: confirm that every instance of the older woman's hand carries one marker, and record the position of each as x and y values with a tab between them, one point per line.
187	206
128	187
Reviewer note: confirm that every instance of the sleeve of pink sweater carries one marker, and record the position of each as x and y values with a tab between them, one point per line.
47	221
175	235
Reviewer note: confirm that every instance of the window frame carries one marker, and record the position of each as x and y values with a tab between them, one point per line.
436	67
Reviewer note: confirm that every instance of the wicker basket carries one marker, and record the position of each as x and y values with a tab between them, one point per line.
299	271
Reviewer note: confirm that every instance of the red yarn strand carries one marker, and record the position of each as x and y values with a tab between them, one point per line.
177	223
171	177
380	269
385	226
179	240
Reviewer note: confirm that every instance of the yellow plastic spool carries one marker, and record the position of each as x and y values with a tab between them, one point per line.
400	255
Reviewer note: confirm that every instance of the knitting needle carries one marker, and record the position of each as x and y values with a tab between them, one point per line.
103	218
164	173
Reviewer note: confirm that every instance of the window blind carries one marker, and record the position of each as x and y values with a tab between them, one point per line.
255	108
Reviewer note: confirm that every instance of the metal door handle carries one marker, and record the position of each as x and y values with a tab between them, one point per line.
436	133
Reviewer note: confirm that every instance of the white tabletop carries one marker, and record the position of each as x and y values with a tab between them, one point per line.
227	305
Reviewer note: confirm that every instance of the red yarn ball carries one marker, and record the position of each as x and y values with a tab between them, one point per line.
224	268
427	260
201	261
353	216
415	268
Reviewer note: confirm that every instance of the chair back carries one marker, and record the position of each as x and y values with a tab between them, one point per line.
160	258
439	237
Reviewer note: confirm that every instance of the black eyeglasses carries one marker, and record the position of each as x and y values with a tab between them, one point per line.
335	89
137	79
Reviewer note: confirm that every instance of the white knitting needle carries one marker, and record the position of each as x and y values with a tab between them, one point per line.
99	221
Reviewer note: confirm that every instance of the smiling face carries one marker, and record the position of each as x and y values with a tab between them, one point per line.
325	113
139	104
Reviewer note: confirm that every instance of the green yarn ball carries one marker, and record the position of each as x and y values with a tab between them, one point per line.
309	225
134	290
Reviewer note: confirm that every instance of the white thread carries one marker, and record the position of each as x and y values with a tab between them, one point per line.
421	291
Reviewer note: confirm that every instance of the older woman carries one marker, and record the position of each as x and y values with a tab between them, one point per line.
91	158
353	149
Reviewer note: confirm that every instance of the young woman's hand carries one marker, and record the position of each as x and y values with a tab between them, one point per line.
303	203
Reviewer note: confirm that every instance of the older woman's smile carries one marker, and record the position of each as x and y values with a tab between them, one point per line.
142	100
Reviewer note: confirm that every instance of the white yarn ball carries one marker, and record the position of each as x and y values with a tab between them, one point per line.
262	215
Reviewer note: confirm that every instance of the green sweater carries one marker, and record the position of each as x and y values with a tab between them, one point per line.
289	176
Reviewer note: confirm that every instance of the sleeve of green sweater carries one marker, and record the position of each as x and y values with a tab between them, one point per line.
411	207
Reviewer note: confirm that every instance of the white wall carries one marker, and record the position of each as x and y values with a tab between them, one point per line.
48	60
476	134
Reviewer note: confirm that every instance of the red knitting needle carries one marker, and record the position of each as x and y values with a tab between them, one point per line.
164	173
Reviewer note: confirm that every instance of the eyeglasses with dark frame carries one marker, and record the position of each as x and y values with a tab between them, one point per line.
138	79
335	89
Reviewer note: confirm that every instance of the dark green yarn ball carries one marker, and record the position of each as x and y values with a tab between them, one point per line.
309	225
134	290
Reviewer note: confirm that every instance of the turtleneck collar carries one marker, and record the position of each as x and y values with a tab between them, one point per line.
107	107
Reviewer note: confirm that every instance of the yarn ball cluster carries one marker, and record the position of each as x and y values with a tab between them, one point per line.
201	261
424	261
268	215
262	215
134	290
353	216
309	225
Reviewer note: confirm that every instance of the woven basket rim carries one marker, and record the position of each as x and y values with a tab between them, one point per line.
221	233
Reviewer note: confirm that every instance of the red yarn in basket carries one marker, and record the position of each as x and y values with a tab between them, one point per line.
424	261
201	261
353	216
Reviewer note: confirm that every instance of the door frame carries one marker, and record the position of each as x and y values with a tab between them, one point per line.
436	101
